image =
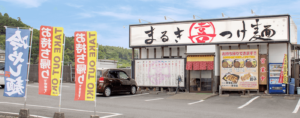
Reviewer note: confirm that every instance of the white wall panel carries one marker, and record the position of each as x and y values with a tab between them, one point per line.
234	47
201	49
182	52
243	46
151	53
217	61
276	52
158	52
166	51
225	47
263	49
143	53
174	51
253	47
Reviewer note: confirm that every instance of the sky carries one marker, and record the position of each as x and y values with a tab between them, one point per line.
111	18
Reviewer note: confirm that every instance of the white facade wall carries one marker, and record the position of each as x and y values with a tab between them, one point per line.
217	61
182	52
106	65
158	52
263	49
151	53
276	52
143	53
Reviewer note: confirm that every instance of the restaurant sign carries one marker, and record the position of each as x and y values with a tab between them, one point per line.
217	31
239	69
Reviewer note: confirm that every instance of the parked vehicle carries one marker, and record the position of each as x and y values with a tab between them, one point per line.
2	83
114	80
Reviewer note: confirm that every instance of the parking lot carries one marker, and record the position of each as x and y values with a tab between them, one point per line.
151	106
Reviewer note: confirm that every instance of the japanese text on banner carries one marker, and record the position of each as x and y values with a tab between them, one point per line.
45	55
285	77
80	44
16	51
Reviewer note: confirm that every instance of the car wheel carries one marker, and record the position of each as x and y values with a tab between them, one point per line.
107	91
2	86
133	90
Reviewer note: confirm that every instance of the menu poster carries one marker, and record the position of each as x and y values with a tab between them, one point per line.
263	68
159	72
239	69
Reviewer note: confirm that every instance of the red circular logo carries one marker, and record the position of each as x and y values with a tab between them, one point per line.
202	32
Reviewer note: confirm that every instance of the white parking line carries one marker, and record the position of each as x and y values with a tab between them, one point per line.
297	107
248	102
129	96
154	99
18	114
195	102
108	116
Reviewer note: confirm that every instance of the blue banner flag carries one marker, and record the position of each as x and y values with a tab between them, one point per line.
16	59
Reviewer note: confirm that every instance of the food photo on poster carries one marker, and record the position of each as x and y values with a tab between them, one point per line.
239	69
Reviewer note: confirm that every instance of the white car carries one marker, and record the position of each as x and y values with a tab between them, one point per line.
2	78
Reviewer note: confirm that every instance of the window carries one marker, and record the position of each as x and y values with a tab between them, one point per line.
2	56
99	73
123	75
113	74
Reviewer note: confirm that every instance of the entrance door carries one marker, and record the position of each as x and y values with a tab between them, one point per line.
201	81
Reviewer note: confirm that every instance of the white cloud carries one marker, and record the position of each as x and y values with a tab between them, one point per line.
215	4
74	5
85	15
173	10
26	3
126	8
128	16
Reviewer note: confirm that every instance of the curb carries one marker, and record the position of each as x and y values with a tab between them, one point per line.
153	92
266	96
224	95
211	96
290	97
246	96
171	93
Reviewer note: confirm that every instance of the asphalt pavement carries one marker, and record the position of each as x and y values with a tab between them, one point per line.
148	105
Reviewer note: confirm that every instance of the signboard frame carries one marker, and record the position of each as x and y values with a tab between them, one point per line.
234	33
242	69
184	78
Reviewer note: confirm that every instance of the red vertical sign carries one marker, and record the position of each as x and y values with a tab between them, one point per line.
282	72
45	50
80	44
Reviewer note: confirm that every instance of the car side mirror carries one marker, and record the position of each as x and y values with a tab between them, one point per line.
128	78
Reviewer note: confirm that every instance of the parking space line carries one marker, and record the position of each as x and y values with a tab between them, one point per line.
108	116
248	102
18	114
154	99
195	102
129	96
297	107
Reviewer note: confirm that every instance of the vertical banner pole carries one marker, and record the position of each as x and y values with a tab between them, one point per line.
28	68
96	82
62	72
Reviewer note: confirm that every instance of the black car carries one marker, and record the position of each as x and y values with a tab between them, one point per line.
114	80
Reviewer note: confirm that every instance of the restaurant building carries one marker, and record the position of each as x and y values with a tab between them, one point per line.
231	53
